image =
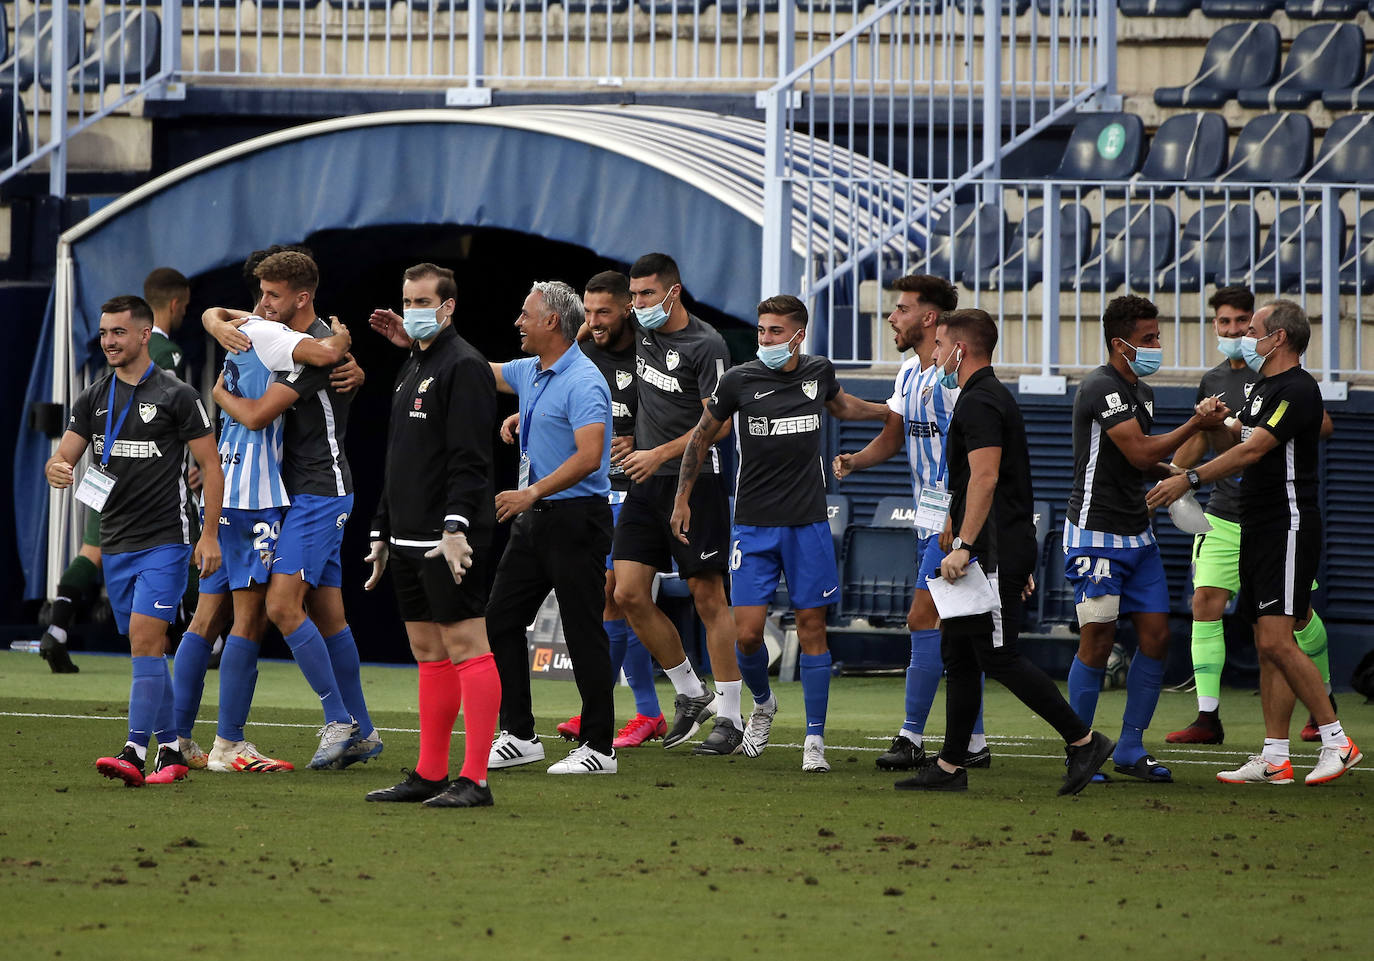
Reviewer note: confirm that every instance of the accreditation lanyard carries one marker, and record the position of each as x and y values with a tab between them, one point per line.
932	504
98	483
539	385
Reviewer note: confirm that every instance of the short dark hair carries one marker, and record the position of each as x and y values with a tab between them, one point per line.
1289	317
1237	295
292	267
931	289
1122	314
975	327
136	306
785	305
250	266
445	286
657	265
164	284
611	282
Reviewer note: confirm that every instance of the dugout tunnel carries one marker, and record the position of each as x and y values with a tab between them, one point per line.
503	195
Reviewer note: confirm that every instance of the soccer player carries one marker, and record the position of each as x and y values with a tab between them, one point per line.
780	523
680	359
1274	444
1110	555
139	485
990	521
434	523
1216	554
167	292
918	416
317	478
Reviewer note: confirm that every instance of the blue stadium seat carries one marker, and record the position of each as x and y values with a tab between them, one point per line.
969	237
1357	266
1323	56
1218	241
1241	9
1358	97
1323	9
1024	265
1106	146
364	4
4	38
25	49
596	6
1292	249
894	511
1157	8
665	7
1017	7
1187	146
1347	154
1239	56
879	575
1135	242
132	50
14	143
1271	148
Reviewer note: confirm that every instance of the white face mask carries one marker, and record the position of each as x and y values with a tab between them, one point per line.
654	317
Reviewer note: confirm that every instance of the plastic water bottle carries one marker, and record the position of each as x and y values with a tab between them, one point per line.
28	647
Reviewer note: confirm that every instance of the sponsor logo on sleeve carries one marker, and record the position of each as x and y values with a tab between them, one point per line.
1114	404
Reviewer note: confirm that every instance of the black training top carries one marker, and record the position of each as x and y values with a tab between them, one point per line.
677	372
1279	491
1233	386
313	458
1108	491
619	371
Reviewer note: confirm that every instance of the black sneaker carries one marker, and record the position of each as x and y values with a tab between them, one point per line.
462	793
903	755
1083	762
689	713
413	788
932	777
55	653
725	738
981	759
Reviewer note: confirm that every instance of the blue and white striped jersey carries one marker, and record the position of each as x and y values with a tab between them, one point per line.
252	458
926	408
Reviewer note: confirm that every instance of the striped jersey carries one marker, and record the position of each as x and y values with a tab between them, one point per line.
252	458
926	408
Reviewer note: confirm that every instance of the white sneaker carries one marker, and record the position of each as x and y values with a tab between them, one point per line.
1258	771
507	750
196	759
336	737
360	751
813	755
1332	762
584	760
242	756
759	727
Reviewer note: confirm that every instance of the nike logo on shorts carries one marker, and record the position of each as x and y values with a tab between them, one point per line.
829	592
707	556
162	607
1264	604
758	396
101	413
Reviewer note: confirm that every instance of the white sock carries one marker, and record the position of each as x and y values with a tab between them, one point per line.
173	746
912	736
1332	735
59	634
815	739
728	693
140	749
1205	703
685	681
218	646
977	742
1275	750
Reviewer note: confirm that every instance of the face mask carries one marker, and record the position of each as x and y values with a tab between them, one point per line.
1248	350
652	318
1230	346
949	379
421	323
776	356
1147	359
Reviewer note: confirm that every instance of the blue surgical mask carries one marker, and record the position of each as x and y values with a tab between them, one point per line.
1248	350
1230	346
421	323
949	379
776	356
1147	359
652	318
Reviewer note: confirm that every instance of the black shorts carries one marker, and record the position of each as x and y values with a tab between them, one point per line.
1277	568
642	534
425	590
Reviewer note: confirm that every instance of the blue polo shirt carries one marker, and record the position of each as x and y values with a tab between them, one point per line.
554	403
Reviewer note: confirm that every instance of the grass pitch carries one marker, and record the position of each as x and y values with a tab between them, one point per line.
676	856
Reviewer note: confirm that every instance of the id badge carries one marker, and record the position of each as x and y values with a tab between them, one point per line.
524	470
95	487
932	507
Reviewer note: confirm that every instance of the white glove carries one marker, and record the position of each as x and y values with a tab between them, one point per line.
456	552
377	558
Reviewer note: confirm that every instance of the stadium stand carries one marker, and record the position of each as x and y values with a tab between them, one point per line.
971	234
878	577
1024	266
1106	146
33	47
1291	259
1240	56
1134	243
1241	9
1357	266
1271	148
1323	9
1157	8
1357	97
131	49
1347	152
1187	146
1217	240
1322	56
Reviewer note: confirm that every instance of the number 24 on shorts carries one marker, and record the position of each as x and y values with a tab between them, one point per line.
1100	571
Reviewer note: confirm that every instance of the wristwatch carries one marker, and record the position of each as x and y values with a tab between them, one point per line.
1193	480
957	544
452	526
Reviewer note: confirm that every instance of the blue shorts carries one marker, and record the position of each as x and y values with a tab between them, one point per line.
617	501
1135	574
928	558
805	554
311	536
248	541
147	582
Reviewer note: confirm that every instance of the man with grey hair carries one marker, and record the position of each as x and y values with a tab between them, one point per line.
562	530
1273	442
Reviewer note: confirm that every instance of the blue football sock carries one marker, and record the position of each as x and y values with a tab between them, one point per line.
815	680
343	657
639	673
145	697
922	679
188	680
1085	684
165	728
312	657
615	633
754	669
238	676
1143	682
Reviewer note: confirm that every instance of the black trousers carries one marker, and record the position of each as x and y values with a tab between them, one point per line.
969	647
557	545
